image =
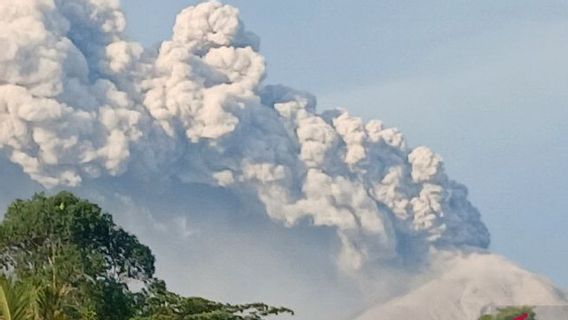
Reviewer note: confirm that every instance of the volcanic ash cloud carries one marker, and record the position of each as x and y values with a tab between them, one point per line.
79	102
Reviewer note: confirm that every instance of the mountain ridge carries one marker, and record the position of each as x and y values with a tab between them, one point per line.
470	285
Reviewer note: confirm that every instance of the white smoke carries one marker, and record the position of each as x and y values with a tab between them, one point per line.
61	120
79	101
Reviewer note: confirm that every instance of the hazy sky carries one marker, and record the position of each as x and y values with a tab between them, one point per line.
482	83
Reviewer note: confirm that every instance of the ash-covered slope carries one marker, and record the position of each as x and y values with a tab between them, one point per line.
470	285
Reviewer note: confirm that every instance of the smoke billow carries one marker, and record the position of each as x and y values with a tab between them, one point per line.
78	101
82	105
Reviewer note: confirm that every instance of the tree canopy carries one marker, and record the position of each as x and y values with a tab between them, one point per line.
62	257
512	313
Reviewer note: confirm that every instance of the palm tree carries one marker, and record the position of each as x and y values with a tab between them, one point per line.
50	304
15	300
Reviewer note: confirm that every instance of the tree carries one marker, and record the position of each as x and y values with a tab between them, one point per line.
72	251
76	263
160	304
512	313
36	234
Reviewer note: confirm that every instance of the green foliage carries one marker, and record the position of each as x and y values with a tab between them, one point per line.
36	233
68	260
510	313
14	300
73	252
160	304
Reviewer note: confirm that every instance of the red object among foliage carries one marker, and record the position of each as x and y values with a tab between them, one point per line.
524	316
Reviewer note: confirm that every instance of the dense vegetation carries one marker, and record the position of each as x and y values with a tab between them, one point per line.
512	313
62	258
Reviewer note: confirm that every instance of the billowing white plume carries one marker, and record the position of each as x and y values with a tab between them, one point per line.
78	101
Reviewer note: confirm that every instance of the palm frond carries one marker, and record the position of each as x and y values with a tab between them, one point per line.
14	300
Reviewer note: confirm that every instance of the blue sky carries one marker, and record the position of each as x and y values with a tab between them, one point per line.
482	83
